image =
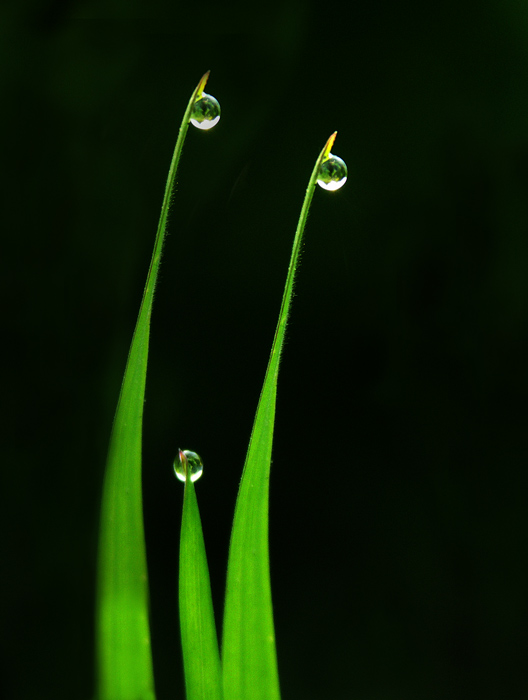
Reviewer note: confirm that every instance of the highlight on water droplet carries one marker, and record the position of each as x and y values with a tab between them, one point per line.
205	112
187	461
332	173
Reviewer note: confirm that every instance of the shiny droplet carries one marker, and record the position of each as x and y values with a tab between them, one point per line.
187	460
332	173
206	112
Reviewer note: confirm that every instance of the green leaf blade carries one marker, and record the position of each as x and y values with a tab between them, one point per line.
249	658
124	657
125	664
201	656
248	647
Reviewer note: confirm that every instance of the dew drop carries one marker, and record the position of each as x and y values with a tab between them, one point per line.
332	173
185	459
205	112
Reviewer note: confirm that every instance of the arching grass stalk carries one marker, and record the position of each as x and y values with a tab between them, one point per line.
248	646
122	629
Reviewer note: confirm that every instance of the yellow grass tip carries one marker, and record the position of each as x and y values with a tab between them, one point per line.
201	84
329	144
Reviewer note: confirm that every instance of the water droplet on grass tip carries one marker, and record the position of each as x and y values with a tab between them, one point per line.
332	173
187	460
205	112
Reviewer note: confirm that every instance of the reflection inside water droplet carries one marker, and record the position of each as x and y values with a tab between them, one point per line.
332	173
206	112
187	460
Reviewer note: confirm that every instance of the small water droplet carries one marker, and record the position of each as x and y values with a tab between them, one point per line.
187	460
332	173
206	112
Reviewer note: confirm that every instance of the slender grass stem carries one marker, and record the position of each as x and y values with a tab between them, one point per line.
248	645
122	629
169	188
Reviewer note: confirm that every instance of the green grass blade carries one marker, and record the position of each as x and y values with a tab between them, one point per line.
122	629
201	656
249	658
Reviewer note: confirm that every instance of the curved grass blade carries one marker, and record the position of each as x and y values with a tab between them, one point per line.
122	629
201	657
249	658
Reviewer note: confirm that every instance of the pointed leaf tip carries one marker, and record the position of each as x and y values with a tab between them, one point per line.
202	84
183	461
329	145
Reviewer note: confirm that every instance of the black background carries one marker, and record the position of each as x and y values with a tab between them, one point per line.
398	528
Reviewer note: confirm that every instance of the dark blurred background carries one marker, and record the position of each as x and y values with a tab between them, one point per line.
398	522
